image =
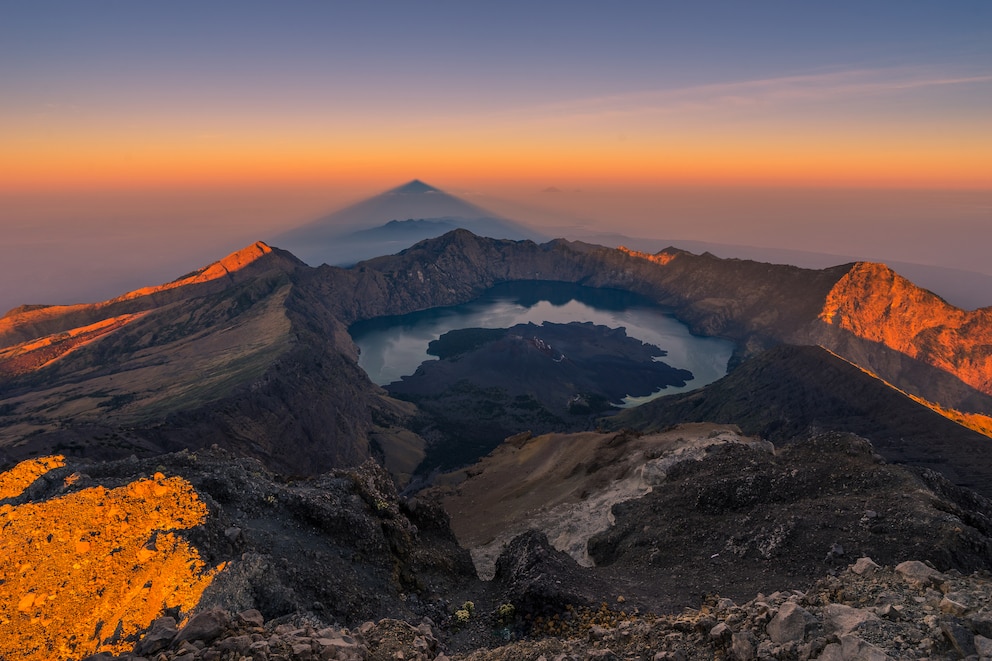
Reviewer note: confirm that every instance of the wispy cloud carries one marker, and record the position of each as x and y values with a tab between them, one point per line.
761	93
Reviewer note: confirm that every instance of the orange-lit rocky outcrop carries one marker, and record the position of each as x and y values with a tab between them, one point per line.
30	322
973	421
233	262
877	304
29	356
20	477
84	571
662	258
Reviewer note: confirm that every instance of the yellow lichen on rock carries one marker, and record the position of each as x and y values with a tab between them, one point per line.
20	477
83	572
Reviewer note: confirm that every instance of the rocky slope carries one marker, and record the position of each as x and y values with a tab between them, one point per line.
869	315
94	565
30	322
867	611
782	393
341	548
340	567
253	353
220	356
565	485
664	518
876	304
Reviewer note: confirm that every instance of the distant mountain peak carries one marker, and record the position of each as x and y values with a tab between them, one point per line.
415	187
236	261
239	264
875	303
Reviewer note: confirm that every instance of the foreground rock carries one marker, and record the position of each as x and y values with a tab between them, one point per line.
342	547
318	559
215	635
865	612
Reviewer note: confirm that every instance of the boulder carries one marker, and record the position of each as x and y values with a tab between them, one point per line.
959	637
918	574
789	624
742	646
537	578
841	620
865	567
160	635
205	626
983	647
856	649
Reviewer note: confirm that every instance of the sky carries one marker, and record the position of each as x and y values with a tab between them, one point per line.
138	138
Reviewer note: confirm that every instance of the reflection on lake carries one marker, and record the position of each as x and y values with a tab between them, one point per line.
393	347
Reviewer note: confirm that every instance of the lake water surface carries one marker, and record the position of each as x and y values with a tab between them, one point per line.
393	347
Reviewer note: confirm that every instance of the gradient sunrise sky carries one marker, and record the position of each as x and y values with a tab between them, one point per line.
186	128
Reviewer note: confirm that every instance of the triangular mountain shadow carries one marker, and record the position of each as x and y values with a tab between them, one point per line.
392	221
414	187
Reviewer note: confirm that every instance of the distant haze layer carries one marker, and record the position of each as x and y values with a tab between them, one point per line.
78	247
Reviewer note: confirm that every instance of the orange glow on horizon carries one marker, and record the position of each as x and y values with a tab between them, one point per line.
832	159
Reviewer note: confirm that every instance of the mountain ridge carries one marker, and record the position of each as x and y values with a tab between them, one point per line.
220	380
223	360
277	330
28	322
877	304
885	323
968	290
